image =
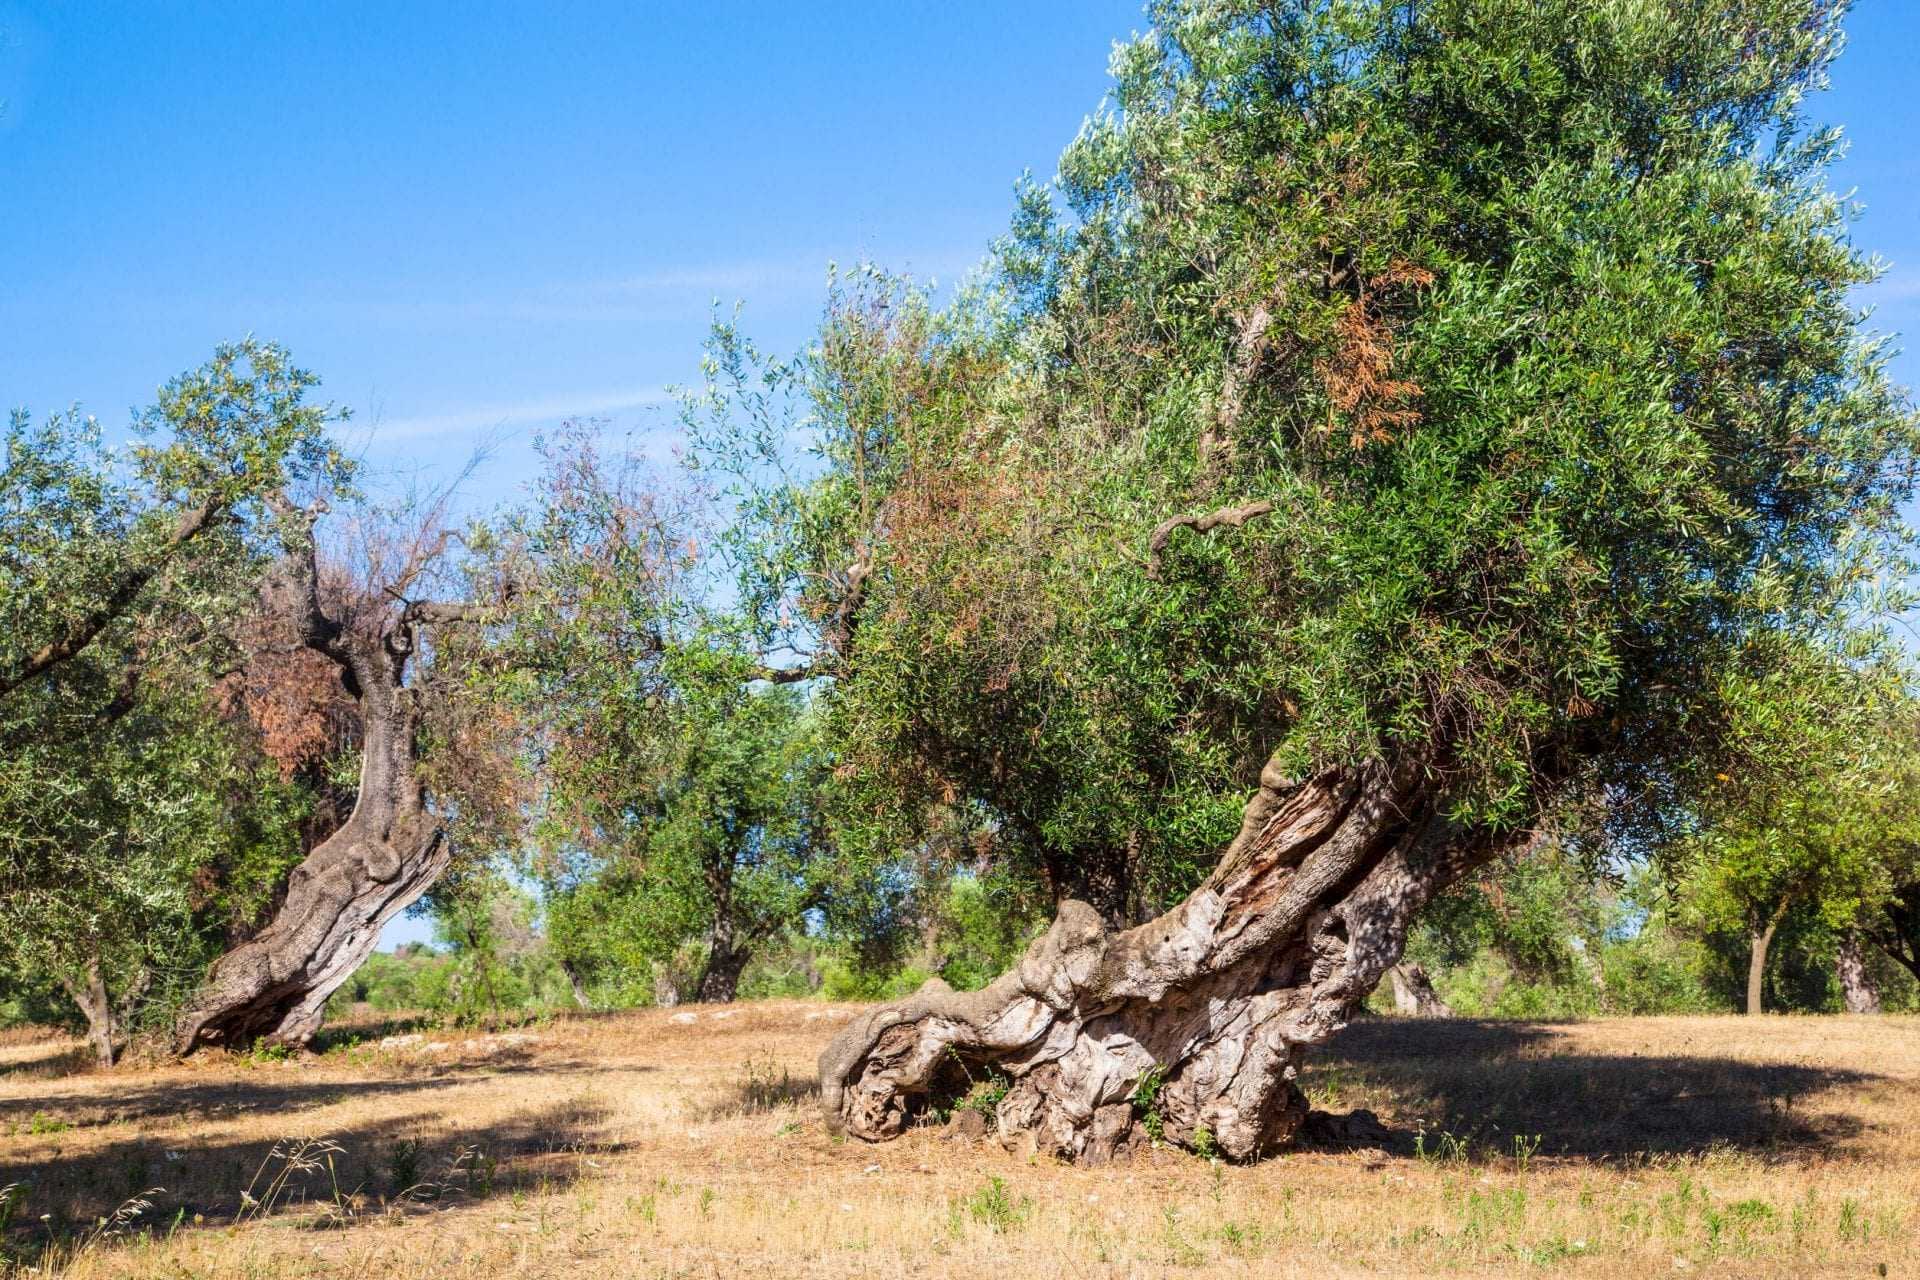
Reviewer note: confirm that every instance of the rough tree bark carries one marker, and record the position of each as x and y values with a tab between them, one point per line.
1200	1016
726	957
389	851
1413	993
1856	984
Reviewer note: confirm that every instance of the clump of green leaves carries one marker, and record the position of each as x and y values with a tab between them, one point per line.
995	1207
1146	1101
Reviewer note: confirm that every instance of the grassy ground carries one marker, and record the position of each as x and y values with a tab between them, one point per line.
686	1143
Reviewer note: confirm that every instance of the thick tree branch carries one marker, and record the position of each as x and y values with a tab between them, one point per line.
786	675
84	630
1249	349
301	575
839	633
1230	517
437	613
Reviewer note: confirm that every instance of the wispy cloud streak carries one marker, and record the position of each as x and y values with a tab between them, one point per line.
544	410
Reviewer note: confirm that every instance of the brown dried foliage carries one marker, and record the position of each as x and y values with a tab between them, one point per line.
1358	373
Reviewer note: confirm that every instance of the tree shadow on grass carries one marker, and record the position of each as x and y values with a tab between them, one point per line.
350	1032
50	1061
225	1097
409	1163
1482	1083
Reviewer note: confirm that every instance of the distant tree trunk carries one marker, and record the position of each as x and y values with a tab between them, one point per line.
666	987
96	1005
578	987
1761	938
389	851
726	959
1200	1015
1413	993
1856	984
1101	878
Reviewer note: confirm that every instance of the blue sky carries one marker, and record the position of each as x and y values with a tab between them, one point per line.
483	216
474	220
477	220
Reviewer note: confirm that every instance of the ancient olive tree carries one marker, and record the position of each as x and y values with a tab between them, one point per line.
1419	415
392	846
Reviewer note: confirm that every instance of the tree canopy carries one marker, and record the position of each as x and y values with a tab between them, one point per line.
1468	384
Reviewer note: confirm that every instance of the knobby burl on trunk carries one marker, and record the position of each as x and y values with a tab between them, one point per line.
389	851
1214	1001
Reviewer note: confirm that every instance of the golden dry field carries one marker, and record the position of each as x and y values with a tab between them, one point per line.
685	1143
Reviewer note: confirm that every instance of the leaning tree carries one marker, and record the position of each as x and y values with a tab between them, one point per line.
1419	419
392	845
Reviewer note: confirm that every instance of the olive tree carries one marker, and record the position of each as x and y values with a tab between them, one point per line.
125	574
1402	421
679	783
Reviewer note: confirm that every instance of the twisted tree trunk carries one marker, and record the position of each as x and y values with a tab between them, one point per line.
390	850
1195	1021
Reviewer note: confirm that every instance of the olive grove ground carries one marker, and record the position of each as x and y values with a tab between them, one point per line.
688	1143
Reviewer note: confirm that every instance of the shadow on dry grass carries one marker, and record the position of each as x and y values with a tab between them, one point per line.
403	1163
1474	1085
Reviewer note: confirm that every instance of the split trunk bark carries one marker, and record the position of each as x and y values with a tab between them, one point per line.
391	849
1856	984
1195	1021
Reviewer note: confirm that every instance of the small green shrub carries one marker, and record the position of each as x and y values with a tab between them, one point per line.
996	1208
1146	1101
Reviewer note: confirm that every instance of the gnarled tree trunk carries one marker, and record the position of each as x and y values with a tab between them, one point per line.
391	849
1198	1018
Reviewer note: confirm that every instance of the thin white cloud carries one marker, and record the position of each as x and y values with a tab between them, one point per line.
746	279
546	410
670	291
1898	286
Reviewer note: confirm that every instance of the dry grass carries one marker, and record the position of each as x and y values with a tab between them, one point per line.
638	1145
